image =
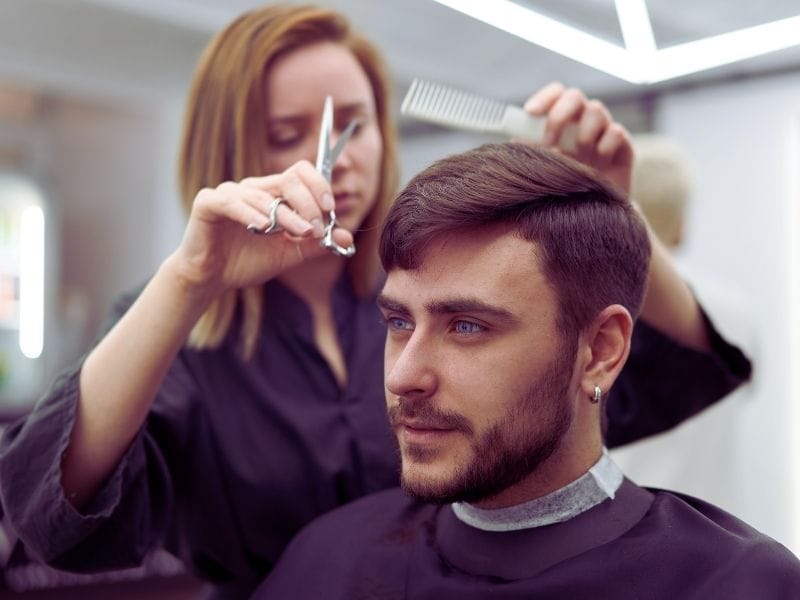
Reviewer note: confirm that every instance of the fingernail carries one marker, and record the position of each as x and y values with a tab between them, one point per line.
318	227
327	201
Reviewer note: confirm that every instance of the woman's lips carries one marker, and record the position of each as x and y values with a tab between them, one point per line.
345	201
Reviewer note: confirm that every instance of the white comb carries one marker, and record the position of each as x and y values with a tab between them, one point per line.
443	105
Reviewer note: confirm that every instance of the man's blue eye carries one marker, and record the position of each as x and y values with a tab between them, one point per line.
397	323
467	327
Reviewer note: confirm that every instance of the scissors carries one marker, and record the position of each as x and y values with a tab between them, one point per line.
326	158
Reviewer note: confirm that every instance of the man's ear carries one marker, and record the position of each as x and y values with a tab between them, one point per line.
606	344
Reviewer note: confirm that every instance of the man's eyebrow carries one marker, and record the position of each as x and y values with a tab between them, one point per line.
390	305
470	305
451	306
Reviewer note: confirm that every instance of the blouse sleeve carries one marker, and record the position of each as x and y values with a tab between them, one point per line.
664	383
118	526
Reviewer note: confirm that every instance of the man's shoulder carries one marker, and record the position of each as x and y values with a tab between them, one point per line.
723	550
684	515
385	507
363	544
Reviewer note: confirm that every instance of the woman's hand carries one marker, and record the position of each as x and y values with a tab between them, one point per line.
218	252
600	142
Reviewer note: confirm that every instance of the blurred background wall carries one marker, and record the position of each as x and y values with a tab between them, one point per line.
91	99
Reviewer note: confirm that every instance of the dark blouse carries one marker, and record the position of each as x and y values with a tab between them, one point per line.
650	544
236	456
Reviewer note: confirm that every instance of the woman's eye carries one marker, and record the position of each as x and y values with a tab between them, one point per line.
360	121
465	327
359	125
284	139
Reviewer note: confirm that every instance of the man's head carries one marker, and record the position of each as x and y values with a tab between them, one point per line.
513	275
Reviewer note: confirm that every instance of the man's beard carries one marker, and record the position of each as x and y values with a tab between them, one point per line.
511	450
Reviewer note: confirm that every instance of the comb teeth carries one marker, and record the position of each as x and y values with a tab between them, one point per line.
441	104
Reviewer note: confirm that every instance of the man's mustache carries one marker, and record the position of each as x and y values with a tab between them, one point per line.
421	414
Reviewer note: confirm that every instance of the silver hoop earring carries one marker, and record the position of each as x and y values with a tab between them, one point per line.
598	394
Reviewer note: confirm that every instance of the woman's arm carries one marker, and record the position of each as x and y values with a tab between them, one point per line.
122	375
669	304
606	146
679	364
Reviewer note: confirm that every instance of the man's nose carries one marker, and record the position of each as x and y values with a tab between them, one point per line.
411	369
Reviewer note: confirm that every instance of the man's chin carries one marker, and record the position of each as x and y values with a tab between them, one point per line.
443	485
421	483
427	492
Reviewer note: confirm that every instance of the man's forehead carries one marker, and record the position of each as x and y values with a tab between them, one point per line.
477	248
501	269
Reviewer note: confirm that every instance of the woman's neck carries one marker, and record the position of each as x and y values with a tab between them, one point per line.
313	282
314	279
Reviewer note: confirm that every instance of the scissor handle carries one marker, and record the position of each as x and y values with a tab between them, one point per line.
328	242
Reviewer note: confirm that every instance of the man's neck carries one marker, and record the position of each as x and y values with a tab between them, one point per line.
565	465
596	485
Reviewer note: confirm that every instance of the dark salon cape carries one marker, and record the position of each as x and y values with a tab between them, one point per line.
648	544
236	456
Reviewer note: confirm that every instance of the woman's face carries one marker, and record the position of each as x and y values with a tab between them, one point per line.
296	88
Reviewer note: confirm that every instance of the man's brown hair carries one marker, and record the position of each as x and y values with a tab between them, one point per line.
592	244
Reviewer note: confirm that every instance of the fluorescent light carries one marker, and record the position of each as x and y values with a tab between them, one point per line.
549	33
726	48
31	282
637	31
793	273
641	61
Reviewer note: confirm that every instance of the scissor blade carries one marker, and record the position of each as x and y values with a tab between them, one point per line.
325	128
337	149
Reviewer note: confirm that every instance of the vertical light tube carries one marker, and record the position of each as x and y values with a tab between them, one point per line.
793	273
31	282
637	30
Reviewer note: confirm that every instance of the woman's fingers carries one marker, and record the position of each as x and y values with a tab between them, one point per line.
585	129
233	202
564	109
541	102
305	199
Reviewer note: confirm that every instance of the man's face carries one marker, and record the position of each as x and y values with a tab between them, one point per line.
478	380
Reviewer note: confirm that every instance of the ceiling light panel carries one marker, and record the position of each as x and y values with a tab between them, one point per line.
640	59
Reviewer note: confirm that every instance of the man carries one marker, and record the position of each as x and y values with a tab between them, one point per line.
514	276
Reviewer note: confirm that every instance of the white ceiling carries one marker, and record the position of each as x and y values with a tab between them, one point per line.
147	48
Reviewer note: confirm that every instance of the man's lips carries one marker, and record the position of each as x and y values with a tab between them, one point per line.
420	425
419	432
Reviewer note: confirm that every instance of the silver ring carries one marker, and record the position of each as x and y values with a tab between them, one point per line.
273	226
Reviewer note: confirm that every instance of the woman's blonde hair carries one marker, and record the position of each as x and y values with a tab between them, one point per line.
225	132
